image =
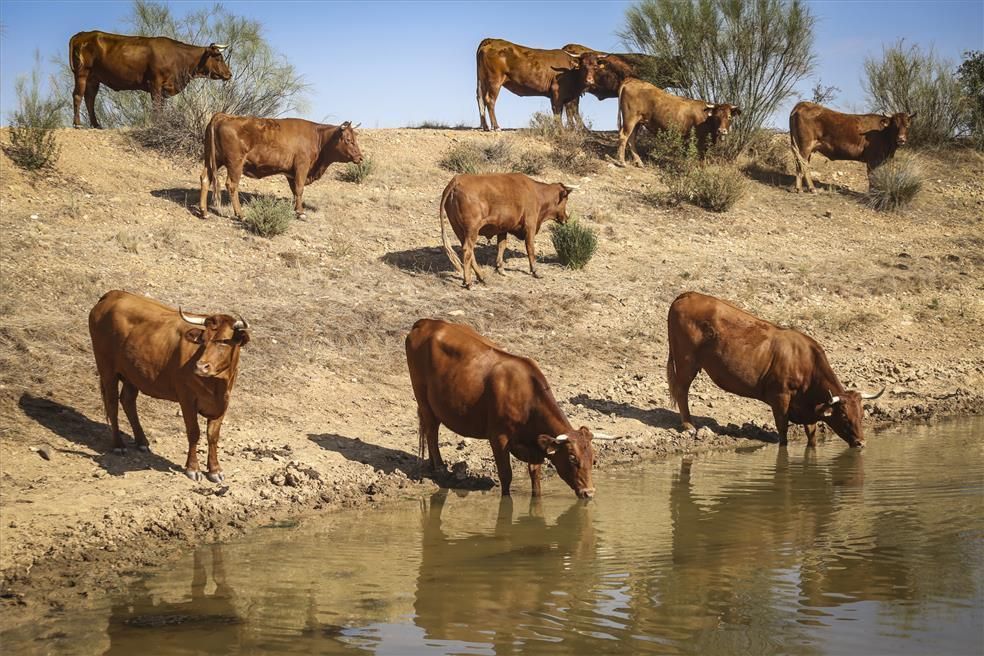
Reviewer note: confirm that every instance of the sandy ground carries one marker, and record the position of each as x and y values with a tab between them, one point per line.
323	416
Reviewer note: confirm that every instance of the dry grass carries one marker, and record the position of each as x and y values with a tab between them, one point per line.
895	184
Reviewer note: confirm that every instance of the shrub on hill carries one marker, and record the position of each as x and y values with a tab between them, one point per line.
33	144
268	216
575	243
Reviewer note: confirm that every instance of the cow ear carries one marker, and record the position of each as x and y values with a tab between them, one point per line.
548	443
709	110
885	121
912	115
195	335
736	111
242	337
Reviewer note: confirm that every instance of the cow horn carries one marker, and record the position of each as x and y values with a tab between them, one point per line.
561	438
604	437
709	105
197	321
571	187
871	397
241	324
833	399
220	46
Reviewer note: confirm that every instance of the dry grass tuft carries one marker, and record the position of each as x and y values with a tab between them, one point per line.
895	184
268	216
358	173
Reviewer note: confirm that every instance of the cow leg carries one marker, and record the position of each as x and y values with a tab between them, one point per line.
77	94
91	89
680	374
500	262
632	147
811	435
491	95
535	479
500	450
468	260
573	110
531	251
297	187
111	403
805	164
212	432
129	401
234	173
625	134
428	427
780	410
190	414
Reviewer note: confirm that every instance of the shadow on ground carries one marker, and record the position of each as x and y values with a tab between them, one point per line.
390	460
188	198
670	419
75	427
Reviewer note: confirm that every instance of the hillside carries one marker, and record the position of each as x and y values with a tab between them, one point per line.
323	414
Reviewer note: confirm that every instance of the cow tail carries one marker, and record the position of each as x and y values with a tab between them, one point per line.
455	262
213	170
793	123
620	119
482	109
74	56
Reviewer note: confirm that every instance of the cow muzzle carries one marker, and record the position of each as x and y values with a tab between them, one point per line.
204	369
586	493
857	444
901	141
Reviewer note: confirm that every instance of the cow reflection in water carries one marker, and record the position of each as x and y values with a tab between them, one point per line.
204	623
472	588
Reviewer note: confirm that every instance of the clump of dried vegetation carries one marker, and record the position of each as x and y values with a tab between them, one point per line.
569	146
358	173
895	184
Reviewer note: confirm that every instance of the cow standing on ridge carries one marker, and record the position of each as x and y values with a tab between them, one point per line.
168	354
260	147
498	204
868	138
158	65
747	356
641	103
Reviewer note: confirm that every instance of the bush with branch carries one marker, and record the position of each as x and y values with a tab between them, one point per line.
906	79
268	216
263	83
575	243
33	144
569	145
971	74
750	53
358	173
895	184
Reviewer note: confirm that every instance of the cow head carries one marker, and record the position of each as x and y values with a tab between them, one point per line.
897	125
843	413
603	74
573	457
557	204
221	337
345	145
719	117
212	65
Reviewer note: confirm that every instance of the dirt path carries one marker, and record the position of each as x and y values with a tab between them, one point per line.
323	416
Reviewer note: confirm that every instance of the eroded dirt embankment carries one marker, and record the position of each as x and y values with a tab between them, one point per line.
323	416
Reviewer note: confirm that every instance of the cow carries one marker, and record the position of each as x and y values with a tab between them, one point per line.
464	381
168	354
602	73
260	147
747	356
641	103
498	204
158	65
869	138
526	72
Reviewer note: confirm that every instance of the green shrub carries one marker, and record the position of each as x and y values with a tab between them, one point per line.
770	151
971	73
716	187
531	162
33	144
895	184
474	157
575	243
668	150
358	173
268	216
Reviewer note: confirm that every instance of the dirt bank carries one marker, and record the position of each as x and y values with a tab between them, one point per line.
323	416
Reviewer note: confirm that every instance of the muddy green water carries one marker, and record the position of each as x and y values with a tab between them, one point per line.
763	551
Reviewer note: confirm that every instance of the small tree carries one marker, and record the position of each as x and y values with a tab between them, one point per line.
263	83
32	139
906	79
821	94
971	73
747	52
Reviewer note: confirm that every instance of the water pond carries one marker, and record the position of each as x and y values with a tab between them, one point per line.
760	551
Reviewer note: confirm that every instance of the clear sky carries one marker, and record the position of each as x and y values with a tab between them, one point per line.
390	64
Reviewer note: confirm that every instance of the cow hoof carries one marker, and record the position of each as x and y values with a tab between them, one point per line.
145	448
302	217
217	477
535	274
120	451
501	271
193	474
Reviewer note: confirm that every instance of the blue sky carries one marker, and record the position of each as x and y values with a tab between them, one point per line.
390	64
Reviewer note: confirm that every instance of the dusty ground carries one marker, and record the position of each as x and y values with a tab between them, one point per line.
323	415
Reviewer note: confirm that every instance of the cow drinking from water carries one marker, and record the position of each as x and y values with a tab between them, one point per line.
464	381
168	354
747	356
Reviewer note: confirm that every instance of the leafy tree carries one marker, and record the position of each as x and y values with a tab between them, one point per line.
748	52
32	125
971	74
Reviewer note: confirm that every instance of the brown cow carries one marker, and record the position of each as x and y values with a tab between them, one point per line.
868	138
498	204
260	147
747	356
602	73
158	65
464	381
641	103
526	72
167	354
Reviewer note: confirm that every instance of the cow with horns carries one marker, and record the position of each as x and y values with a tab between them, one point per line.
165	353
747	356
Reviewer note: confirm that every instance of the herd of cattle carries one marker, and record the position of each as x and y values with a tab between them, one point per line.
460	379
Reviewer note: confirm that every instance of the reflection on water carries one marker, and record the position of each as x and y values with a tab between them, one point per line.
765	551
